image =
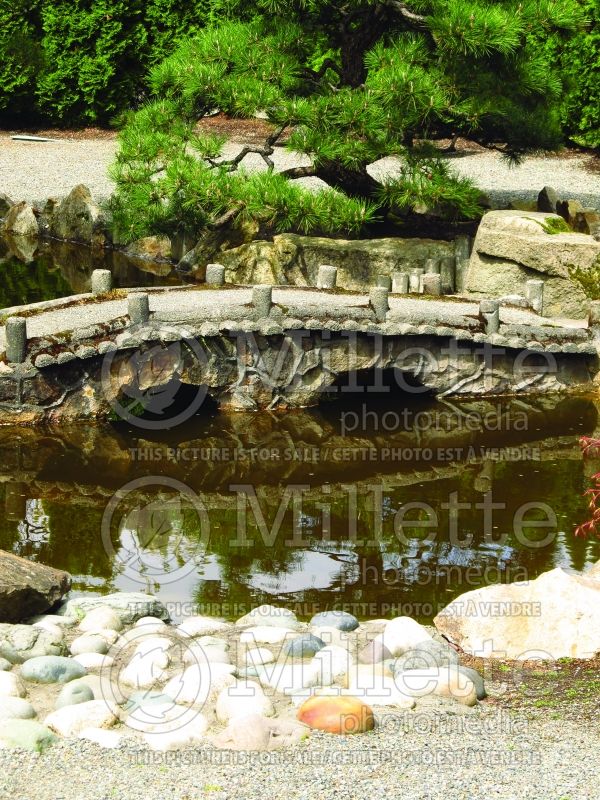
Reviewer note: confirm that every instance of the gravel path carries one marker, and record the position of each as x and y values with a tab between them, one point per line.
446	756
35	171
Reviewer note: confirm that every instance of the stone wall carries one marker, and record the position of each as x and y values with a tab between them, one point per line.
294	260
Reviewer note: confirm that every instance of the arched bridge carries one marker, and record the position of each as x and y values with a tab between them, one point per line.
271	347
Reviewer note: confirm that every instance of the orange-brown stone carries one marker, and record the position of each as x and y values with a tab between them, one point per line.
341	715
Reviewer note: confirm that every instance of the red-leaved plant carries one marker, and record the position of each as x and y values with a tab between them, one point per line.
591	447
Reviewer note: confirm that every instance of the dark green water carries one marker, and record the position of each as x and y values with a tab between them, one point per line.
399	515
45	270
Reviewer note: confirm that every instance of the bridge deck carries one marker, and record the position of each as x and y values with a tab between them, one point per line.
195	305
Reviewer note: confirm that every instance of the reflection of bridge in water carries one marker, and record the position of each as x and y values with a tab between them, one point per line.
282	347
348	546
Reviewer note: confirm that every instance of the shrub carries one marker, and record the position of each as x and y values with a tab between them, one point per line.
84	61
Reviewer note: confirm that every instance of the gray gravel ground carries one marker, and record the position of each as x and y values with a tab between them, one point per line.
459	757
35	171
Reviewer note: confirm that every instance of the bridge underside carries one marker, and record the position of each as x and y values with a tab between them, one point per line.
300	368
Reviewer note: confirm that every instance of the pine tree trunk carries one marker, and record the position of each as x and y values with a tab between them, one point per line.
353	182
357	37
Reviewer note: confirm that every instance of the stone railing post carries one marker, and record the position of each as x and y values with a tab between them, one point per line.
138	307
326	277
101	281
15	331
414	280
262	300
534	293
400	283
462	249
594	318
215	274
432	265
432	283
448	273
384	281
379	301
490	311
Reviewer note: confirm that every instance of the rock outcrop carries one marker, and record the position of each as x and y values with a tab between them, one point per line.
27	588
78	218
294	259
557	615
20	220
513	247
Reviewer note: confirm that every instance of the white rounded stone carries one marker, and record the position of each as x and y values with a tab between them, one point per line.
10	685
266	635
71	720
241	699
201	626
402	634
95	661
101	617
270	616
145	670
197	683
331	664
259	655
89	643
52	628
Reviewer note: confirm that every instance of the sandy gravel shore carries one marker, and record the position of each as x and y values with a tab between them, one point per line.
34	171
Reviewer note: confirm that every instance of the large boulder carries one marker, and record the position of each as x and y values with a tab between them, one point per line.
129	606
20	220
27	588
557	615
78	218
295	260
513	247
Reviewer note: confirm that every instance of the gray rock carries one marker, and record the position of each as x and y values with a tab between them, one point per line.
27	588
21	221
374	652
425	655
5	665
19	643
304	646
74	693
89	643
51	669
513	247
293	259
147	698
130	606
16	708
335	619
476	679
547	200
273	616
77	218
25	734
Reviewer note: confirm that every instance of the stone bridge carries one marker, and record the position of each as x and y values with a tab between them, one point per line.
93	355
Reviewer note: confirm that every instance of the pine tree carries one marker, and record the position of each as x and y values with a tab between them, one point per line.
345	83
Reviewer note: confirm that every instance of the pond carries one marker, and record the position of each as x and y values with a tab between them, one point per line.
378	509
35	270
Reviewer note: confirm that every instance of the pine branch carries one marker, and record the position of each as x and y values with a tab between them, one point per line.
416	21
298	172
